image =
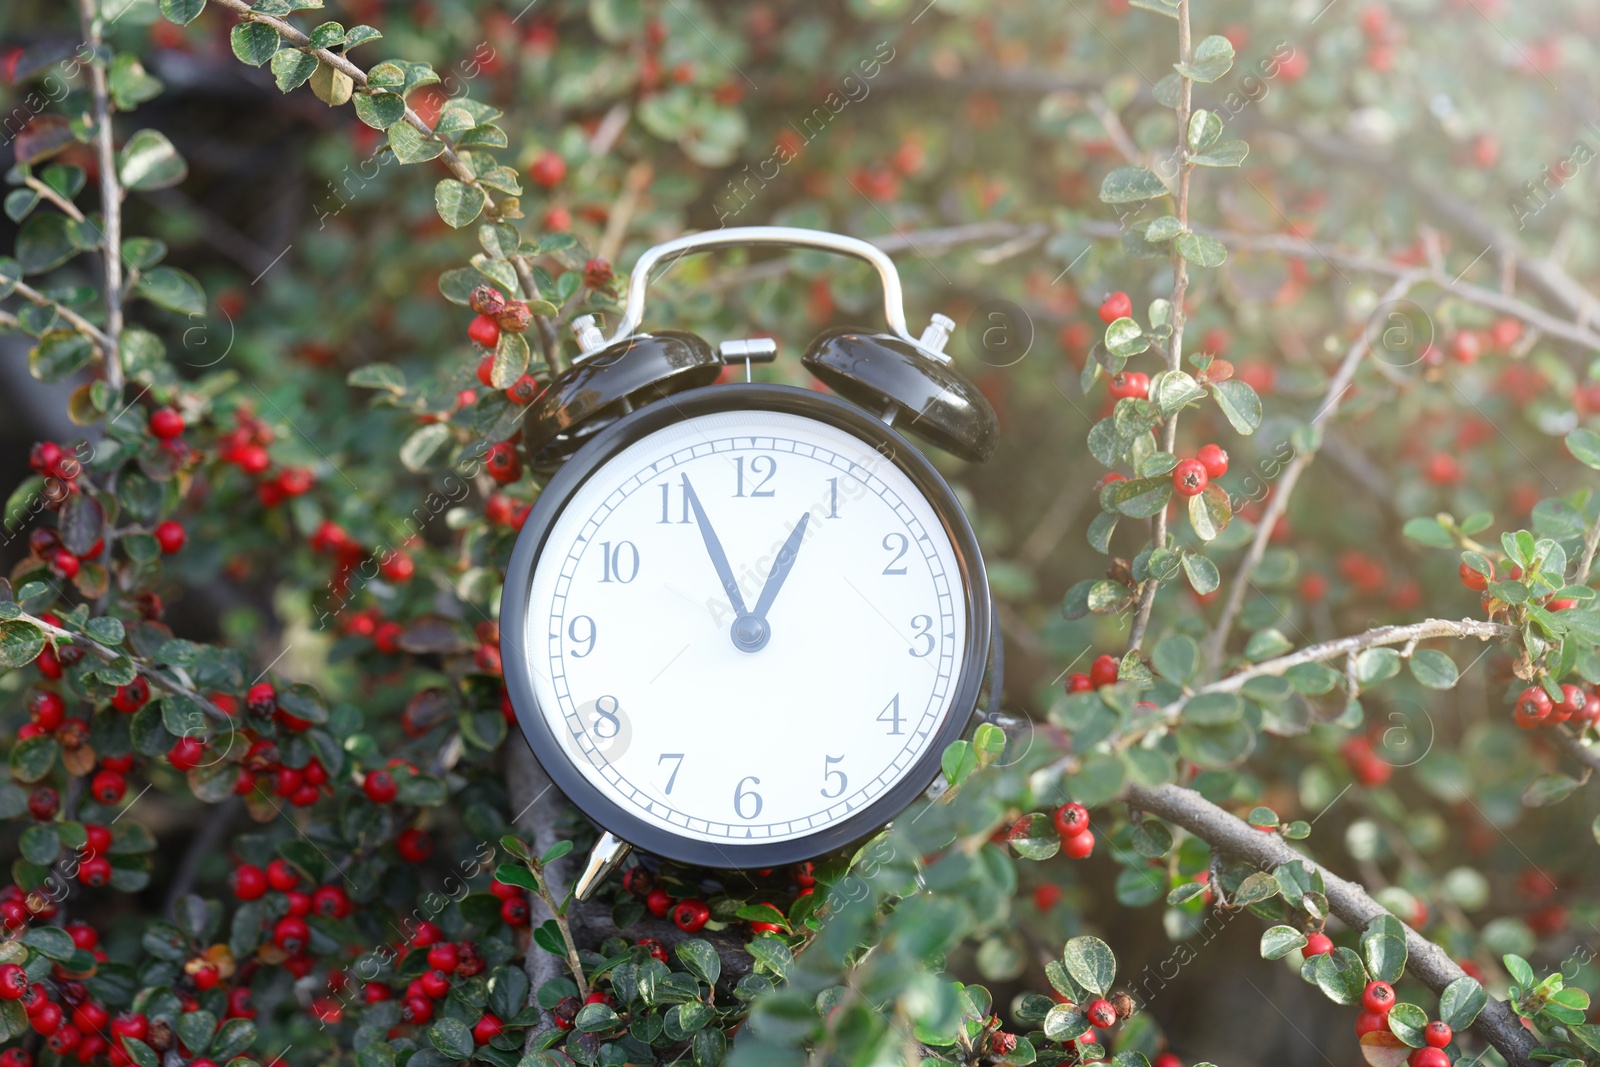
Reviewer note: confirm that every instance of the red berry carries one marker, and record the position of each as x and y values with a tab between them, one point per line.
1214	460
64	564
47	709
97	838
291	933
1104	671
1100	1013
1046	896
548	169
1079	683
282	876
108	787
486	369
131	697
379	787
656	949
398	567
498	508
417	1010
523	390
1189	477
414	846
16	1057
249	882
13	982
1438	1034
84	936
484	331
1428	1056
444	957
1473	580
1318	944
1572	703
564	1012
658	901
690	915
425	934
48	662
1167	1059
330	901
295	481
434	984
185	756
1079	845
506	891
43	803
515	912
1466	346
486	1029
47	1019
95	872
90	1017
1378	996
131	1024
262	699
1130	383
1071	819
65	1039
1114	307
1533	707
502	462
166	423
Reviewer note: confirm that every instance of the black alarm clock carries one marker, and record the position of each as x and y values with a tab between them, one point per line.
743	621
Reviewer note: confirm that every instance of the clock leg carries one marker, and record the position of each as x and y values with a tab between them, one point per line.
606	856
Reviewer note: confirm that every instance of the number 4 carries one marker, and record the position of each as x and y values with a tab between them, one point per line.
891	715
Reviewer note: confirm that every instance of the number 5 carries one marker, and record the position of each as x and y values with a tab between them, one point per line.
828	772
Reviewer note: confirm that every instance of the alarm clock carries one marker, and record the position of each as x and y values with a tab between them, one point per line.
742	621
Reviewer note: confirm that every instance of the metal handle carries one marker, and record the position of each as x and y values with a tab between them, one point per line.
778	237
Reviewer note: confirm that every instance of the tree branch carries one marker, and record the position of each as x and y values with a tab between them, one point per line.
75	320
1278	503
110	199
299	40
1410	633
1180	286
1227	833
107	655
1573	746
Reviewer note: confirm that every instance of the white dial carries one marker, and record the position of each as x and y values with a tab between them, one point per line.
746	627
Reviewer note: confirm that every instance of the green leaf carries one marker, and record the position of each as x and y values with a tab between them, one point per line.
1213	57
1091	963
45	242
1460	1002
701	960
1279	941
1203	251
1434	669
380	110
1384	954
1210	511
1584	444
130	84
20	643
1143	497
958	761
174	290
511	357
1549	789
1124	338
1519	970
59	354
452	1038
182	12
1176	658
1341	976
1239	403
1204	129
1034	837
1203	575
51	942
1406	1021
292	68
458	203
1064	1022
1376	665
410	145
1227	154
423	445
1128	185
254	42
1213	709
378	376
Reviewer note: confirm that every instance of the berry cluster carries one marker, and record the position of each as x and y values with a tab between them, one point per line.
1535	708
497	315
1072	823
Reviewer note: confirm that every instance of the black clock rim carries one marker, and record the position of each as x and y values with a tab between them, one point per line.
547	509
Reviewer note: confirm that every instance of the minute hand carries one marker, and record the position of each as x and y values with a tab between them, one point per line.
780	568
719	558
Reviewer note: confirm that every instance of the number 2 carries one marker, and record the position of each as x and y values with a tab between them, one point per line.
889	540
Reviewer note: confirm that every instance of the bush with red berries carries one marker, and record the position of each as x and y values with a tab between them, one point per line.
1292	524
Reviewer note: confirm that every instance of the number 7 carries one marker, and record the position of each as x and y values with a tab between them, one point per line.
675	768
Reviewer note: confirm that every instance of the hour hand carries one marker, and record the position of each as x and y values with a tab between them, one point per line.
719	558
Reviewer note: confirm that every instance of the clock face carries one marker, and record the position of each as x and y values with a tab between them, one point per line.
747	627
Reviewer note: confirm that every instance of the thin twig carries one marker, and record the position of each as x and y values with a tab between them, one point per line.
1573	746
299	40
110	198
67	206
1180	287
1496	1023
77	321
1590	543
634	183
1278	503
549	337
155	677
1425	630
